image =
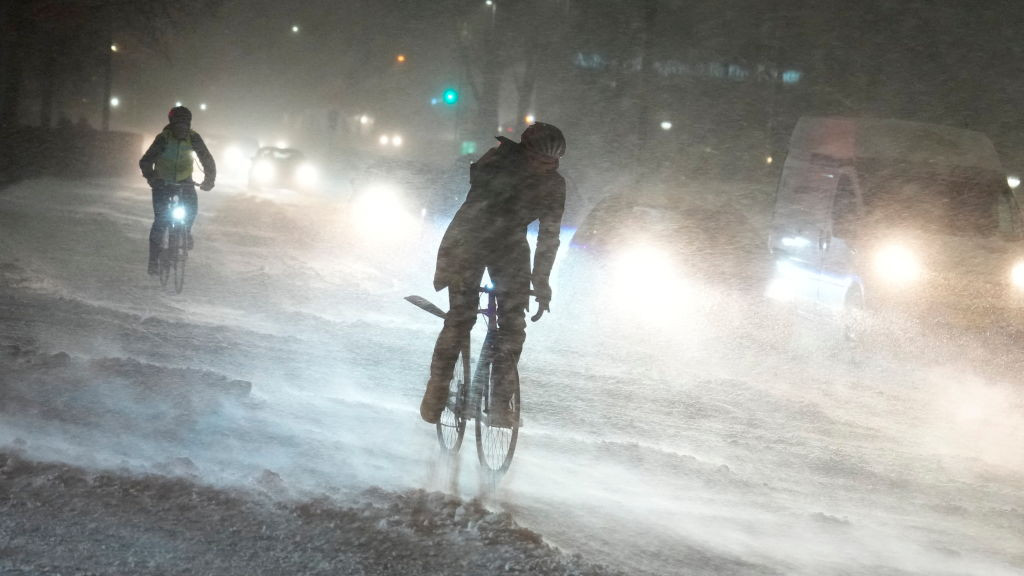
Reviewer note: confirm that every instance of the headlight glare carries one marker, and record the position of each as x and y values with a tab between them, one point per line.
178	213
306	175
264	172
897	264
1017	275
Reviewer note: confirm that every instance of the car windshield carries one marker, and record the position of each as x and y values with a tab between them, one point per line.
954	201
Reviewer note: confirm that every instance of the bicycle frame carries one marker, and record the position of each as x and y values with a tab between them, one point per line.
174	244
467	401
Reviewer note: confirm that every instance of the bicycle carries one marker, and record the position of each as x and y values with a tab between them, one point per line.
469	396
174	243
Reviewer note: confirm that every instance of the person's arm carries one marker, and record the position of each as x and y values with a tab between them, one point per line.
148	161
547	240
206	159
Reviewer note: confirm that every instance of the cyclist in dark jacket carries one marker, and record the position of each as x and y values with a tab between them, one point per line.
169	161
511	186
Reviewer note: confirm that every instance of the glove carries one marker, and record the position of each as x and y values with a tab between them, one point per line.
542	290
206	186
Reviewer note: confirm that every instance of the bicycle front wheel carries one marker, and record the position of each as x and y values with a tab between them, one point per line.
452	426
496	441
164	260
180	257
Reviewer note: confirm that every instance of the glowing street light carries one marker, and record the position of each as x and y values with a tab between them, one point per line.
666	125
365	120
295	28
400	58
114	48
1013	181
178	103
384	140
115	102
396	140
203	106
530	118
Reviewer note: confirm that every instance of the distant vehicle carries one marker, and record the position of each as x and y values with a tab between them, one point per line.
896	216
659	251
282	168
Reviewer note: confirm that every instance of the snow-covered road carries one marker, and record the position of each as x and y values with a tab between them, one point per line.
718	443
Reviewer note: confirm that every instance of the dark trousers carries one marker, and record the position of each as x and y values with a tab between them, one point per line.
161	215
511	279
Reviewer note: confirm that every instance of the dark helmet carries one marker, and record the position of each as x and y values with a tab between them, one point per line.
544	139
179	114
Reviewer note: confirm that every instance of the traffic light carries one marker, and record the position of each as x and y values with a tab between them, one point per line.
450	96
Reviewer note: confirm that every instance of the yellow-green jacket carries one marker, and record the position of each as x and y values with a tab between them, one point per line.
170	159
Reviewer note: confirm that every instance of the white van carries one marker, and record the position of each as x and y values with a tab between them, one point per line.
896	215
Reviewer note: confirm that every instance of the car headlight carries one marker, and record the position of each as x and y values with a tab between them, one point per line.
307	175
379	214
897	264
178	213
235	160
647	285
643	265
264	172
1017	275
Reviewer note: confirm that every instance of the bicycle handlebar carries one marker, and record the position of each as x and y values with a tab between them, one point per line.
534	318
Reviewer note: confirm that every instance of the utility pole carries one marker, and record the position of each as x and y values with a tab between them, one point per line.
108	73
646	83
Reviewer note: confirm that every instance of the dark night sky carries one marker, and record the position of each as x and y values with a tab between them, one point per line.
945	61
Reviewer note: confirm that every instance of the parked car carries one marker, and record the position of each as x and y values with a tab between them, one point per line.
282	168
896	216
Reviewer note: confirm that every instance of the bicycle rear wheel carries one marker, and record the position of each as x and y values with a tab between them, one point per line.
452	426
495	445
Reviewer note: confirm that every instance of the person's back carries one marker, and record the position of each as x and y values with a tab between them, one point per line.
511	186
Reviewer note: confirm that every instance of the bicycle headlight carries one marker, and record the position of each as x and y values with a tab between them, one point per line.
178	213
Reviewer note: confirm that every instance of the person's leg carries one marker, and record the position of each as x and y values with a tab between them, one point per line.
511	277
463	302
156	231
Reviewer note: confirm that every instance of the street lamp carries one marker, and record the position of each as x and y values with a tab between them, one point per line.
202	106
115	102
178	103
295	28
114	48
666	125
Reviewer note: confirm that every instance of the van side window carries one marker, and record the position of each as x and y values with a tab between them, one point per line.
845	212
1008	213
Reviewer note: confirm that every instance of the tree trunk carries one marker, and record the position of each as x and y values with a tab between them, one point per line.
13	31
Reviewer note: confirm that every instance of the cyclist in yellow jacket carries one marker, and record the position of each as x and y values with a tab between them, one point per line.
169	161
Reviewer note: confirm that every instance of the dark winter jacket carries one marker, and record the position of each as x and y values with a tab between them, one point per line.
510	187
170	159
